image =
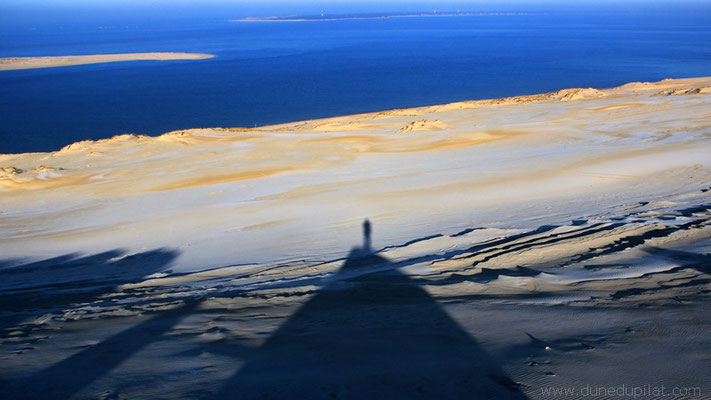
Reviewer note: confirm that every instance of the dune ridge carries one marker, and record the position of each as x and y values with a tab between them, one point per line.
331	142
359	122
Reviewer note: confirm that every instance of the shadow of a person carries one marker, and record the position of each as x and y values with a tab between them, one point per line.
372	333
367	240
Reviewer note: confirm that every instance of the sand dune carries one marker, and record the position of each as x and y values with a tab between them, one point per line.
558	239
13	63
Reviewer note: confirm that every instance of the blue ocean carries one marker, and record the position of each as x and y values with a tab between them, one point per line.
274	72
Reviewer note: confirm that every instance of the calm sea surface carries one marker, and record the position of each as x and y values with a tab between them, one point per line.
267	73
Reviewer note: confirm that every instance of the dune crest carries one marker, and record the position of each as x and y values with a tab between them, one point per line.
577	94
211	157
424	125
91	144
685	91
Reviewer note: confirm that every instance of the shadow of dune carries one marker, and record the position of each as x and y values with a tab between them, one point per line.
68	377
370	335
71	278
59	284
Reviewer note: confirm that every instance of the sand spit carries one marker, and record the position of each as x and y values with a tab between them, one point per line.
344	17
14	63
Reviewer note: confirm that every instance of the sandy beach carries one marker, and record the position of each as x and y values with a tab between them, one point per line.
519	245
14	63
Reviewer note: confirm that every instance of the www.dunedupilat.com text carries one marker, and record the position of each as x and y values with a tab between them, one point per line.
622	391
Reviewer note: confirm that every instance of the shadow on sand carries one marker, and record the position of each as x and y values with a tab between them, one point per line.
62	283
374	335
372	332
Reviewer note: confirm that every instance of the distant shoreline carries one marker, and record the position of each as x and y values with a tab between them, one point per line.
17	63
326	17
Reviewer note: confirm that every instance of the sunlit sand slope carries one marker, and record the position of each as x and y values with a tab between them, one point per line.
300	190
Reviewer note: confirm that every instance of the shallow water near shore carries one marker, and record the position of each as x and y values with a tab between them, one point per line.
267	73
